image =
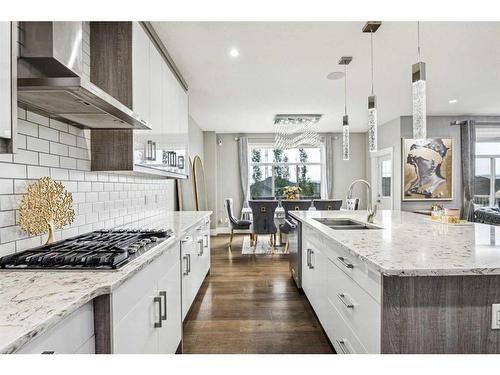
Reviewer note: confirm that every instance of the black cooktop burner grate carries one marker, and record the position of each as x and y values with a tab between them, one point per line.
102	249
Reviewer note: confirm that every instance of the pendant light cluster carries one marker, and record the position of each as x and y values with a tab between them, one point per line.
345	60
371	27
419	94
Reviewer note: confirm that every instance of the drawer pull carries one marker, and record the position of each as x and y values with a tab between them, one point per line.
186	239
346	301
158	323
311	260
48	352
189	263
205	237
344	346
164	295
186	270
200	245
345	262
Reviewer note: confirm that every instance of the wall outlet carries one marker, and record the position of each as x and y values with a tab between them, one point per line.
495	316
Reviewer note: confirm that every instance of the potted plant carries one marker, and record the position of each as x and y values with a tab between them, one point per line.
292	192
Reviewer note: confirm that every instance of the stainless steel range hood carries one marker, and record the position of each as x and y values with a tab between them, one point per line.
54	76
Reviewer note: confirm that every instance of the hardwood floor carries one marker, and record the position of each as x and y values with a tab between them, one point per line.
249	304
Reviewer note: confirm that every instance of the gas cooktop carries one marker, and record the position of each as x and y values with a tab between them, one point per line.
102	249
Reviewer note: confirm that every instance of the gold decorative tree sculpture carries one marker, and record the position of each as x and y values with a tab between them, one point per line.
45	207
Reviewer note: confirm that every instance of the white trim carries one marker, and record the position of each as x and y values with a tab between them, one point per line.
389	151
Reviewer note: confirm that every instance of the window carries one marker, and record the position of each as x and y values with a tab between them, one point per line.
271	170
487	178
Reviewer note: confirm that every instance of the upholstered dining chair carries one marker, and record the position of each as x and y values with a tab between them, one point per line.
233	222
352	203
327	204
291	205
263	220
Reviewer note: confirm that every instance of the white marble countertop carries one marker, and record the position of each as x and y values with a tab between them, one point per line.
410	244
33	301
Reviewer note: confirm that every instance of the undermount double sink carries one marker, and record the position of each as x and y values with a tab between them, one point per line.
346	224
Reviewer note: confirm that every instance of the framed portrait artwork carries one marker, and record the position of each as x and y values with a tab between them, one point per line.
427	169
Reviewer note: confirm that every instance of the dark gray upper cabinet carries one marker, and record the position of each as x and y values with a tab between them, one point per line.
126	49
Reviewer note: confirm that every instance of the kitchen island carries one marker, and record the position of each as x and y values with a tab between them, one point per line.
406	285
94	311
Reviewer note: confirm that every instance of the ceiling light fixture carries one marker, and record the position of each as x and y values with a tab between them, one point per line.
333	76
345	60
234	52
293	131
419	95
452	101
371	27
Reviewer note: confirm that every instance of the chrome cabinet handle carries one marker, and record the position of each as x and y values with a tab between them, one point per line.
186	270
205	239
158	323
185	239
307	258
345	300
311	261
149	150
345	262
199	229
189	263
153	153
48	352
200	243
163	294
343	343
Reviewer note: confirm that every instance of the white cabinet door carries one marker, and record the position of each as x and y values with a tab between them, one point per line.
169	288
169	101
155	94
188	254
182	109
136	332
140	72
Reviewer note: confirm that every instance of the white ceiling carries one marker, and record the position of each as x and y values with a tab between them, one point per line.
282	68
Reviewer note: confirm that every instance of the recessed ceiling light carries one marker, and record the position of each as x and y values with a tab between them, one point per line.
452	101
234	52
335	75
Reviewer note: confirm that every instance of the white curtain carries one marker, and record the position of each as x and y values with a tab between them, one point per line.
327	175
243	160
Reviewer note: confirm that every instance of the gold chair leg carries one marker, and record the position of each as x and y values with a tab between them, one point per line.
286	247
255	239
231	237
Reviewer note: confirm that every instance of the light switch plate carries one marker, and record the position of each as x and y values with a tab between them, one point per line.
495	316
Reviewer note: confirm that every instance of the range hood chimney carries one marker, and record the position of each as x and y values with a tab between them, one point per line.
54	76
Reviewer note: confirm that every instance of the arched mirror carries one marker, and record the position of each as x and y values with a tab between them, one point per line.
186	200
199	185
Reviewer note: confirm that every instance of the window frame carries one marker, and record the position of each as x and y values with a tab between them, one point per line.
270	146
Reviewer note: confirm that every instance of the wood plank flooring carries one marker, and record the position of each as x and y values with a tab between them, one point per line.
249	304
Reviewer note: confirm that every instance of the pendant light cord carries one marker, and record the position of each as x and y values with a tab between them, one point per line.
371	44
418	39
345	89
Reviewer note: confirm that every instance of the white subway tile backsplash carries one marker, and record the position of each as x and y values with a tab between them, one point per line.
49	160
58	148
38	172
49	147
37	144
6	186
26	157
59	174
48	133
27	128
67	139
8	170
59	125
37	118
68	163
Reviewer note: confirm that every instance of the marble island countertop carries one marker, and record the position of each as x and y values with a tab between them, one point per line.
34	301
412	245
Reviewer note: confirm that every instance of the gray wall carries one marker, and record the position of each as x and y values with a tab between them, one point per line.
228	180
211	173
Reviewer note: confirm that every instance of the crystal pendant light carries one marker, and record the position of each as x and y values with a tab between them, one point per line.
371	27
345	60
419	95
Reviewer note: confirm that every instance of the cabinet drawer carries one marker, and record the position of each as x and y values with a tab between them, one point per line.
358	309
358	270
67	336
132	290
341	335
